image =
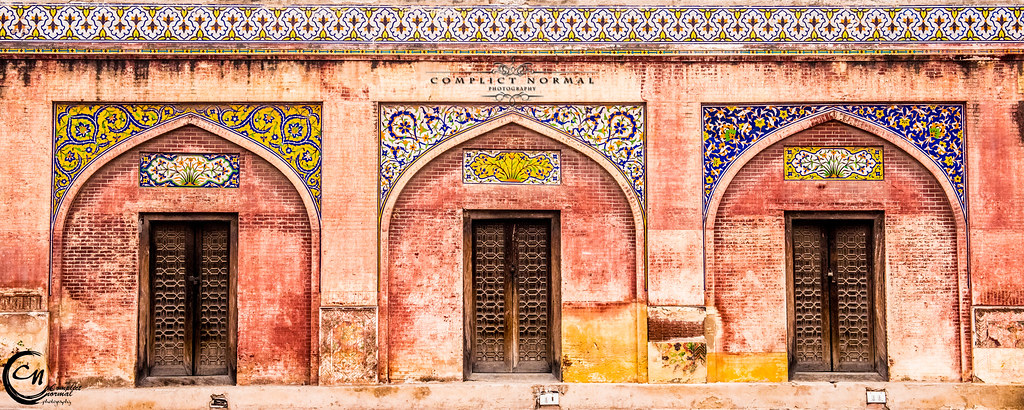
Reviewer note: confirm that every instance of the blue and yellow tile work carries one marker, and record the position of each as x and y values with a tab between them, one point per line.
616	132
936	130
206	28
833	163
511	167
84	132
188	170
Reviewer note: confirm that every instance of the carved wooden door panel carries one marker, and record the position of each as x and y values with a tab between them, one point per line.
189	288
511	284
832	283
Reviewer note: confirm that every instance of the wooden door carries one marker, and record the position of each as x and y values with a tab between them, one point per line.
190	289
511	290
833	282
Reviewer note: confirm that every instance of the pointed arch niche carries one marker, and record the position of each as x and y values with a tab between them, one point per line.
931	134
412	135
281	148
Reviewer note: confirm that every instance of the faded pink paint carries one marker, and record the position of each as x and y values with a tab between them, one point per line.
673	89
747	276
424	305
97	254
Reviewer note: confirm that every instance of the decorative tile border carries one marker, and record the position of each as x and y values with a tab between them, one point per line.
616	132
311	26
83	132
253	50
833	163
511	167
999	327
936	130
188	170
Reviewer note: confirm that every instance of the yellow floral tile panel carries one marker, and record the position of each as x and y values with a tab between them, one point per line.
511	167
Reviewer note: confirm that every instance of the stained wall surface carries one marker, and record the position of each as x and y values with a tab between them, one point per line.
598	271
672	89
98	282
748	273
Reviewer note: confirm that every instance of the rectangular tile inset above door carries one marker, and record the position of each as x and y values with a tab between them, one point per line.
188	170
833	163
511	167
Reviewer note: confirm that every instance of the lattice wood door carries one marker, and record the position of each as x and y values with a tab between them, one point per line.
189	288
832	295
511	329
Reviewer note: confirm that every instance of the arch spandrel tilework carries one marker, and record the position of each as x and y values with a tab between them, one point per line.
616	132
936	130
84	132
242	28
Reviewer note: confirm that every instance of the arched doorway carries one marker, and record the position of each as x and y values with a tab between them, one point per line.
427	263
911	306
106	290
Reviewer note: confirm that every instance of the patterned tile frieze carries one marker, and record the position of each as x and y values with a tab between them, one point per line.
391	24
511	167
515	51
842	163
188	170
936	130
616	132
84	132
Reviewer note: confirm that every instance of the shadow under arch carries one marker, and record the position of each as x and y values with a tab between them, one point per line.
61	214
387	210
963	281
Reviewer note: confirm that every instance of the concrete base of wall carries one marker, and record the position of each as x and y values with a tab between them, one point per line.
477	395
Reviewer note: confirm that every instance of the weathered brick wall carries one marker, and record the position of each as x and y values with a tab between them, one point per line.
748	272
673	89
425	270
98	274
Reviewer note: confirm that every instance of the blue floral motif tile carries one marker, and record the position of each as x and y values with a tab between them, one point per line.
616	132
188	170
936	130
312	25
511	167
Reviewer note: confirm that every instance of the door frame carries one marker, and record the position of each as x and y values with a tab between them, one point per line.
555	333
877	219
145	336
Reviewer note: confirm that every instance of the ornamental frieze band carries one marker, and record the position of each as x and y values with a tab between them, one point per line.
205	25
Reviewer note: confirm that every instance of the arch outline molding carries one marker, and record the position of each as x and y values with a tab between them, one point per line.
412	133
935	131
87	135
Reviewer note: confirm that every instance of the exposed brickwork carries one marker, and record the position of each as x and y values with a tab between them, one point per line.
673	89
425	270
99	265
659	330
748	277
21	302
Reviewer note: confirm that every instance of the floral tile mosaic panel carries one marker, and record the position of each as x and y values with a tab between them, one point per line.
84	132
203	24
615	132
935	130
835	163
679	361
188	170
511	167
